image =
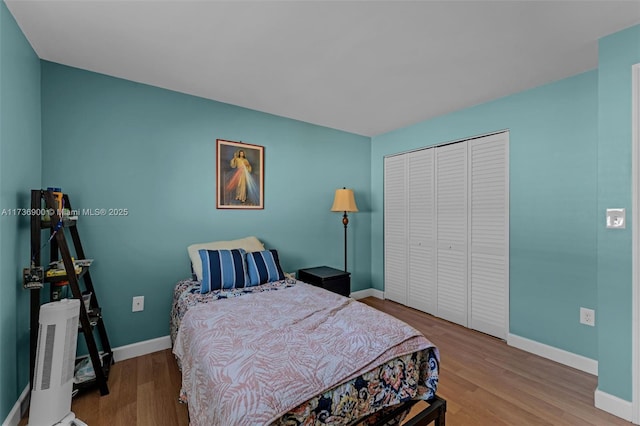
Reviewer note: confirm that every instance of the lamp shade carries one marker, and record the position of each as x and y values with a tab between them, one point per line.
344	201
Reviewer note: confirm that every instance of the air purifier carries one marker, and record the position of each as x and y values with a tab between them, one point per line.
53	373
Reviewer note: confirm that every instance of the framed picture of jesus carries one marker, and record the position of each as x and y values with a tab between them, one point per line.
240	175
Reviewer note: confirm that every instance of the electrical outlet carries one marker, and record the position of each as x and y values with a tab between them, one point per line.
138	304
587	317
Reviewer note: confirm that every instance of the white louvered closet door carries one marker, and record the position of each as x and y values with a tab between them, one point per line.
451	232
395	228
421	284
489	234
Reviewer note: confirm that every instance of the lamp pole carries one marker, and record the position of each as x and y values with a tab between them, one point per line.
345	221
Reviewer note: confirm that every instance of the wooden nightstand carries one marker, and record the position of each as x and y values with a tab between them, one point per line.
328	278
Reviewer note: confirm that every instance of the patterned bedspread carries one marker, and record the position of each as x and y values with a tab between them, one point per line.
187	294
300	355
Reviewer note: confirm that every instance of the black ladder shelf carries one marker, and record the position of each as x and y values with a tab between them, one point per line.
41	199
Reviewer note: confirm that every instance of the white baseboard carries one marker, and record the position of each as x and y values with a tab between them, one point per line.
614	405
370	292
141	348
578	362
18	410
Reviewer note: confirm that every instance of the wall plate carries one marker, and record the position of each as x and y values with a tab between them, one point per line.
616	218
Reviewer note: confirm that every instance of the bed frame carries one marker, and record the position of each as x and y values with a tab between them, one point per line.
435	412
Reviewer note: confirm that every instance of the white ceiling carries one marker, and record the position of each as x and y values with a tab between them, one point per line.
366	67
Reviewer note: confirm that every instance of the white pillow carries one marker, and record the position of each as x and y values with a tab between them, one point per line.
248	243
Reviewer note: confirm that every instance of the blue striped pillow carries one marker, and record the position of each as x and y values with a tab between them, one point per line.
264	267
223	269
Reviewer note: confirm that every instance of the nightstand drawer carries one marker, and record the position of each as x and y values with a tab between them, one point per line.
328	278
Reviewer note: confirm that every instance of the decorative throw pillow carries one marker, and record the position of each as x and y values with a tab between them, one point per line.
248	244
223	269
264	267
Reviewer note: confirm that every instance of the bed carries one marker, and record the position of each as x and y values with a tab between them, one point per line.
283	352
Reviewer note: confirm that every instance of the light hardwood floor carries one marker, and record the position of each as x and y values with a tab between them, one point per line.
484	381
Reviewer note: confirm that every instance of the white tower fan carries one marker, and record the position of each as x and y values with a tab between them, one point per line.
55	361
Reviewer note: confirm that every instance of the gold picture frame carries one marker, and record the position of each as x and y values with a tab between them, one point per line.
239	175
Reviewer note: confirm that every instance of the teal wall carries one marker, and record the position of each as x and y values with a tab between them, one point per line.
20	169
617	53
111	143
553	175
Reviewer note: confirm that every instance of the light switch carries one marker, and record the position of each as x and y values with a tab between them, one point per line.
616	218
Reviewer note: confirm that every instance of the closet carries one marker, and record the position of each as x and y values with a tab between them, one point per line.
446	231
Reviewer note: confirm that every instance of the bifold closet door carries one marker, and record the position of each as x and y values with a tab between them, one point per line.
451	232
489	234
421	280
395	228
